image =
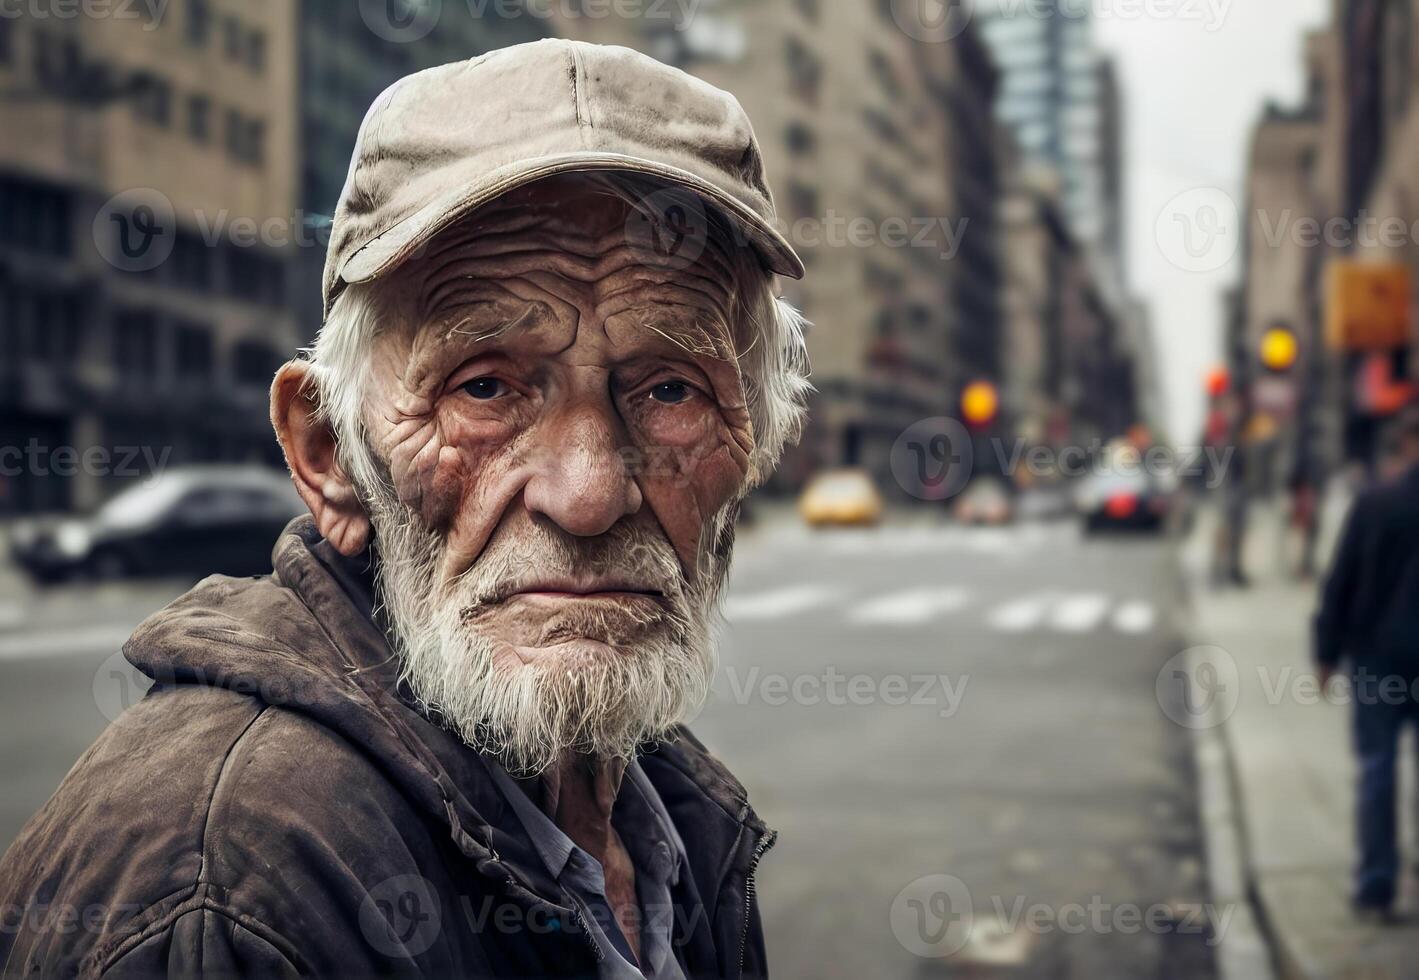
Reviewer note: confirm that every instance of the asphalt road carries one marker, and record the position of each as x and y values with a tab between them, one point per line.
1047	786
955	732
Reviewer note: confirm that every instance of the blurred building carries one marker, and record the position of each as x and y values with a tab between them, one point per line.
1071	366
1060	101
1332	182
1059	97
147	187
881	150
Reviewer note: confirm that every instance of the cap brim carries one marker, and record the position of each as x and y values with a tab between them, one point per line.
395	245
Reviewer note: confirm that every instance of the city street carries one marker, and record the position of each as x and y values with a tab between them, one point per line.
1056	780
913	701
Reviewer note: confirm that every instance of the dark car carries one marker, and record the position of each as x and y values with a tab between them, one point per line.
1124	501
194	520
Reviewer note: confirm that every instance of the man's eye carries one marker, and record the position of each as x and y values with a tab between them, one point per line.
485	388
670	392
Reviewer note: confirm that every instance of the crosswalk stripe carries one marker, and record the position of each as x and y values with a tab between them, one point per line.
1079	613
1135	616
1021	614
776	603
910	606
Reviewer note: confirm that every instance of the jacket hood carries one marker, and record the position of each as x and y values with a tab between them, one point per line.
299	640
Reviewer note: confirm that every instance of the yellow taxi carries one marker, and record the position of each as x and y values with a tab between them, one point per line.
844	496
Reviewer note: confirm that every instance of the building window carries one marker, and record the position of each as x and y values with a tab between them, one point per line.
232	38
152	99
246	138
254	364
800	139
56	60
802	200
194	353
199	22
804	72
35	217
192	262
135	346
255	275
199	118
255	50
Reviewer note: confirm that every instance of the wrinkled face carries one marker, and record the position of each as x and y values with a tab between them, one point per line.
564	427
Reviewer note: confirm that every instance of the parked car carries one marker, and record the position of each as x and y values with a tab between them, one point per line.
845	496
1128	500
189	520
986	500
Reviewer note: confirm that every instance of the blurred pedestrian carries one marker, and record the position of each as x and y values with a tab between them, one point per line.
1304	518
1369	619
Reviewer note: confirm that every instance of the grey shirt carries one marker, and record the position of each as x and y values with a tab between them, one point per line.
656	851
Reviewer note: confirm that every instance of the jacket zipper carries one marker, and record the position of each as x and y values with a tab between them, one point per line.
760	849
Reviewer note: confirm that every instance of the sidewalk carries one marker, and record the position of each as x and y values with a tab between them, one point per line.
1292	775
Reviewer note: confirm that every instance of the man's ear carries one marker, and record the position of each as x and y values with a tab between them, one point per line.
309	444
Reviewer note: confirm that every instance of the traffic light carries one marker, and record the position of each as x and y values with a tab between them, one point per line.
979	403
1218	382
1279	349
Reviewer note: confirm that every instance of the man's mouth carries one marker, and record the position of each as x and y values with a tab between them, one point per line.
573	591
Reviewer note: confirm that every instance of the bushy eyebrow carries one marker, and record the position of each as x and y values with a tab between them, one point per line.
446	341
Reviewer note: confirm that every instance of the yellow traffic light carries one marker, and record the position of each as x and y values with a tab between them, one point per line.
979	402
1279	349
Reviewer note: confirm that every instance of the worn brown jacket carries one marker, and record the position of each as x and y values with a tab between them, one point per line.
272	807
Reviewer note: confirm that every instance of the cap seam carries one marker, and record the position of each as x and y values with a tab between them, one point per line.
581	97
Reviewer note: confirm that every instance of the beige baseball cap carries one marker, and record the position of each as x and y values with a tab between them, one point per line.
438	144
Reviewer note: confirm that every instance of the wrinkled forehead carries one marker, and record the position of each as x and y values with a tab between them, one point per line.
546	257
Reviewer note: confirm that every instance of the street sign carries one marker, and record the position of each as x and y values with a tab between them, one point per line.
1276	396
1367	305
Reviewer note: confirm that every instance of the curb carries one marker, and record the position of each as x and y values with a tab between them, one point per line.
1245	950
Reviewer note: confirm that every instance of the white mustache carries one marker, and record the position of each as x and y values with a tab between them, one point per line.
537	557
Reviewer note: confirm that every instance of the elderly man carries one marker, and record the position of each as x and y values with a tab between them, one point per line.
443	737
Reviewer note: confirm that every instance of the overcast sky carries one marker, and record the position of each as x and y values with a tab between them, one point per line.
1193	85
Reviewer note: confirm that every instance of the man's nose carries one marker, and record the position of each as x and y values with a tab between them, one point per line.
581	480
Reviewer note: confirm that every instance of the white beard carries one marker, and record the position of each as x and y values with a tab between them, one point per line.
529	714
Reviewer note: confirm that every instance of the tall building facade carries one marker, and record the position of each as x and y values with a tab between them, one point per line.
144	241
1330	181
1059	98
